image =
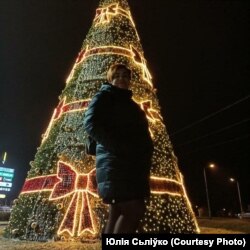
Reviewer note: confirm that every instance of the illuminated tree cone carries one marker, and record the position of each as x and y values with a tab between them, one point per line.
59	197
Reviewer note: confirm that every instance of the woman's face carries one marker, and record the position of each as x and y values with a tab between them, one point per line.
121	78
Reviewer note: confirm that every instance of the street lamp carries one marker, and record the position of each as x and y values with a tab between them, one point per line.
205	178
238	188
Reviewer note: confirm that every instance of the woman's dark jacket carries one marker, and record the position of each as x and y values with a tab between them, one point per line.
124	146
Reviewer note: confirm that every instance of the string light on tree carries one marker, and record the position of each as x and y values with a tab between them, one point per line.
59	198
132	53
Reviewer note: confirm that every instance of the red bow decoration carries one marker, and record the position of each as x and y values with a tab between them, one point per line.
67	183
103	13
80	185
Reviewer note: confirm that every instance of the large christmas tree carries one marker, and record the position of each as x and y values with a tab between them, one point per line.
59	197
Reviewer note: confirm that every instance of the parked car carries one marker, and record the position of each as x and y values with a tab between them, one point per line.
244	215
5	209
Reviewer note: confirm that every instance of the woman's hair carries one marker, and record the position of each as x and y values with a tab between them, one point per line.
113	68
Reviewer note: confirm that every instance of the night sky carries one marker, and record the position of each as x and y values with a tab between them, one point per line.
197	52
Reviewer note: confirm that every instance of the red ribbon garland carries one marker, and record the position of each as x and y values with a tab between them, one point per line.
63	108
69	182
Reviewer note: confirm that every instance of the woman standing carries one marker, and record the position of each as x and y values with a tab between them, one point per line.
123	152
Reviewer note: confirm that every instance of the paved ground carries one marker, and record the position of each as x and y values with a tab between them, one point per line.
214	226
